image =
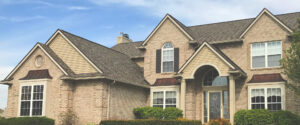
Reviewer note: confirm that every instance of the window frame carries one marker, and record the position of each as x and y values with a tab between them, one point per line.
165	89
32	83
265	86
162	57
265	54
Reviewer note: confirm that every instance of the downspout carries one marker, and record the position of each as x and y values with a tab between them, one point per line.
108	98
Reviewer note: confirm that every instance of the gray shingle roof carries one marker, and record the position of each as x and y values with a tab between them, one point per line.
228	31
114	65
131	49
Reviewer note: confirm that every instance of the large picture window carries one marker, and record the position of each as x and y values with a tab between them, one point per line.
168	58
32	98
267	54
164	99
266	98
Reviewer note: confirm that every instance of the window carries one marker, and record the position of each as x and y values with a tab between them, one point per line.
32	98
266	98
164	99
168	58
209	76
267	54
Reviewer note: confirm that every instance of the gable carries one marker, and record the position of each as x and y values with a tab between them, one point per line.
28	63
169	20
70	55
204	57
266	20
266	29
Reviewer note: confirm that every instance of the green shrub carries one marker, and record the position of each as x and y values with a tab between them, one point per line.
239	117
169	113
253	117
285	118
150	122
155	113
140	113
27	121
219	121
172	113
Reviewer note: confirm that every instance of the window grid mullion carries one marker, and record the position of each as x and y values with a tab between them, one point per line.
31	100
266	54
266	99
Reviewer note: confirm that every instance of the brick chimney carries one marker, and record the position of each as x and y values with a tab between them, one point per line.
123	38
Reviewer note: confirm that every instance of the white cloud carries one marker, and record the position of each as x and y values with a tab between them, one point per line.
194	12
78	8
4	71
21	19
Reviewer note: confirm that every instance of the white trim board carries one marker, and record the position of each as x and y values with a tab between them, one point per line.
29	54
159	25
265	11
87	59
198	50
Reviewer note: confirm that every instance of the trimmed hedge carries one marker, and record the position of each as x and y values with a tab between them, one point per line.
265	117
285	118
219	121
253	117
150	122
27	121
157	113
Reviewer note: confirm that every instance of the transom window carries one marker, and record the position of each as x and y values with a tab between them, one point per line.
164	99
168	57
209	76
32	98
266	54
266	98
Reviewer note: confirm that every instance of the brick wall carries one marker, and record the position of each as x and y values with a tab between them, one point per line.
124	98
168	32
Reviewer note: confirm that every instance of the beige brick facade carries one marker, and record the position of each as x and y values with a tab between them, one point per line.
168	32
96	100
70	55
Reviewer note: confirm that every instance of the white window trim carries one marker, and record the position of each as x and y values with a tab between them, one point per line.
32	83
164	89
265	86
162	57
266	56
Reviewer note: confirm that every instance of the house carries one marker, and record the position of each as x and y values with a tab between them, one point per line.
208	71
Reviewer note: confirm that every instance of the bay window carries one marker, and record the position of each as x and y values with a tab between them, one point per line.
270	98
266	54
164	99
31	100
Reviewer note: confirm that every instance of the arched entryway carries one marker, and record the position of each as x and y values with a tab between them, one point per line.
214	92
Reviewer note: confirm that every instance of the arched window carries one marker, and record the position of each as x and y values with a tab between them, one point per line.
168	57
209	76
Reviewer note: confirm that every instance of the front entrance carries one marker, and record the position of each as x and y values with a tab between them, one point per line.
214	105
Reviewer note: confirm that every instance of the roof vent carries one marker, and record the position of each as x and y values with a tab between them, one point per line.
123	38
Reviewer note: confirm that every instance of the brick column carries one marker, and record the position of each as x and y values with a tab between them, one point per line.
232	97
182	96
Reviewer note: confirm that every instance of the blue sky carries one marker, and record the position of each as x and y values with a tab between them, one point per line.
25	22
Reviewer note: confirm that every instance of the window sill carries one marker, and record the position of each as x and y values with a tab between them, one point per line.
167	73
266	68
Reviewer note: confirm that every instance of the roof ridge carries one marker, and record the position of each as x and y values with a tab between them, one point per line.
93	42
237	20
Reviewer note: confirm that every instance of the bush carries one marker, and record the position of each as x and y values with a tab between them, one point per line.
27	121
140	113
172	113
239	117
253	117
157	113
150	122
219	121
285	118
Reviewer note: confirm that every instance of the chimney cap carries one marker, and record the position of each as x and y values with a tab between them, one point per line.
124	35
